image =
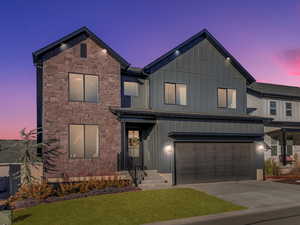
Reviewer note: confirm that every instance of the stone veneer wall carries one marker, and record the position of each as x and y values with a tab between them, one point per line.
58	112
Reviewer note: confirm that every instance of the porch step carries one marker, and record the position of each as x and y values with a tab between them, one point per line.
153	180
149	172
155	186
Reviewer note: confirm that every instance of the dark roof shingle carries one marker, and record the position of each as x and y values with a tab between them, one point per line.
273	90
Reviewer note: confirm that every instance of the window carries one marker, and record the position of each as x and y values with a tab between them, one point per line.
83	87
131	89
273	147
175	94
83	50
288	109
226	98
273	107
83	141
289	146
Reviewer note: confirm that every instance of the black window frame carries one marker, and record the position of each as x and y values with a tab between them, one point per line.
175	84
84	75
288	110
69	137
83	50
226	91
273	110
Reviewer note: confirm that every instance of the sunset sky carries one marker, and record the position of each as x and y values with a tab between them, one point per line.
263	35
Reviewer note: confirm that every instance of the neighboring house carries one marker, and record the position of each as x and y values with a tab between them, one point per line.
184	114
9	168
282	103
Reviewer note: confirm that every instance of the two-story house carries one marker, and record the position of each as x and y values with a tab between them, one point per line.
184	114
282	104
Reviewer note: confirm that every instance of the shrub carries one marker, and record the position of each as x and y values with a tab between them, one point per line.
44	190
271	168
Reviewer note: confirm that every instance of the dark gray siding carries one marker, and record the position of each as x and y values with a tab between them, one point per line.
142	100
159	137
203	69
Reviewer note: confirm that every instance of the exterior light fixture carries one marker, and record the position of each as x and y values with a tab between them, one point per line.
260	147
104	51
228	59
168	148
63	45
177	52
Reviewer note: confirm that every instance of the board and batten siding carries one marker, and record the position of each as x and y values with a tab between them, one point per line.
154	149
142	100
263	108
203	69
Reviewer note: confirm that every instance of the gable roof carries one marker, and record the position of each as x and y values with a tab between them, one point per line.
74	37
274	90
188	44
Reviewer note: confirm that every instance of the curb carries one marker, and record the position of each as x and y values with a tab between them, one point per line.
186	221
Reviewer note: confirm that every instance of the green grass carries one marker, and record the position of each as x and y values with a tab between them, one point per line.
130	208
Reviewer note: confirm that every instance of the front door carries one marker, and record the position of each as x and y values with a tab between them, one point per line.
134	147
133	143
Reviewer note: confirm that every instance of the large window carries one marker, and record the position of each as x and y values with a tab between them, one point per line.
288	109
175	94
131	88
227	98
83	141
83	87
273	147
273	108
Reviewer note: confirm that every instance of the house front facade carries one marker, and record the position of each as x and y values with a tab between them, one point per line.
185	114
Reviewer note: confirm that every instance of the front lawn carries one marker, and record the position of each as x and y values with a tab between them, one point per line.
131	208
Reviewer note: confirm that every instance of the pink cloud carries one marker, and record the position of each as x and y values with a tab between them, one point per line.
290	60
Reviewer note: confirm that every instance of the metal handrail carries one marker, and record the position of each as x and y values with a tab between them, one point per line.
136	170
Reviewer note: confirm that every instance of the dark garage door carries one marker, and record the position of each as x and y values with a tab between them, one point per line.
207	162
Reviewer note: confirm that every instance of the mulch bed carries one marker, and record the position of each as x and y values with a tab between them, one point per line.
287	179
110	190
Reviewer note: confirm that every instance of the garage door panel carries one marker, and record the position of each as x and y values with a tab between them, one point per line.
196	162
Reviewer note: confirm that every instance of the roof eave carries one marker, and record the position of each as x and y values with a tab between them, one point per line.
197	38
52	45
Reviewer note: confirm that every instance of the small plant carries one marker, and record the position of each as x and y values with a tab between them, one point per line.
271	168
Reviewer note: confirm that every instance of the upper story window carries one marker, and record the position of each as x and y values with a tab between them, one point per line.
83	141
288	109
273	108
131	88
83	87
83	50
227	98
175	94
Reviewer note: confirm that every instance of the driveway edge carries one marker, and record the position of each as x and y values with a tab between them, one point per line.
186	221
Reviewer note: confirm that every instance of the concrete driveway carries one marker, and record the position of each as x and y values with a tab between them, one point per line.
252	194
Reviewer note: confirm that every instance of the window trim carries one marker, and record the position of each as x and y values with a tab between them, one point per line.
69	138
271	108
138	92
286	109
83	74
226	107
175	84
